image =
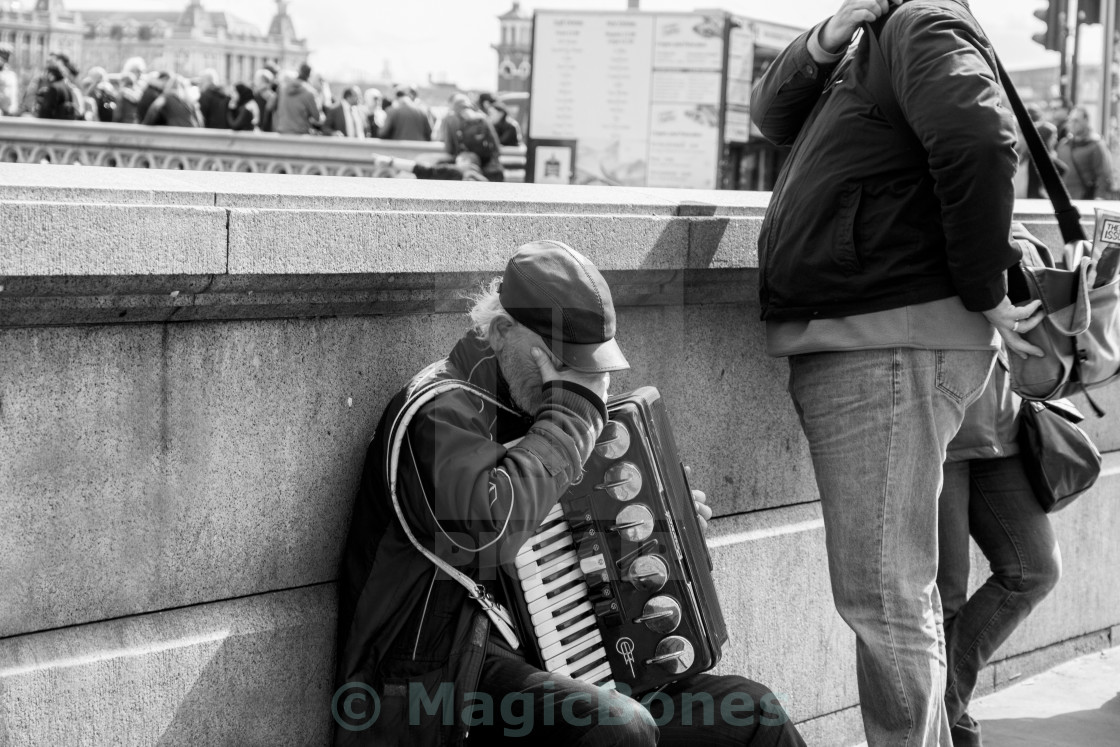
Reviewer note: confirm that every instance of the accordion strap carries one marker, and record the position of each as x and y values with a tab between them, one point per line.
498	615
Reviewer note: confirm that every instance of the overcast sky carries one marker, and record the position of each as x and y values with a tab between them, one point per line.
450	39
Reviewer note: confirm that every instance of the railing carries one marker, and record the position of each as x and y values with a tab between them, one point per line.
29	140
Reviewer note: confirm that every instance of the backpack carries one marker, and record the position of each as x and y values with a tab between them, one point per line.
477	136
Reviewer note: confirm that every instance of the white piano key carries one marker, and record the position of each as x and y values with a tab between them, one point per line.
583	664
550	588
547	532
561	652
577	591
532	575
549	620
548	642
527	557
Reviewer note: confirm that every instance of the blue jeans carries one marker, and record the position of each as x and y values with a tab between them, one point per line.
990	499
878	423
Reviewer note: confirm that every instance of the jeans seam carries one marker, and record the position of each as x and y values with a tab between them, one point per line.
882	518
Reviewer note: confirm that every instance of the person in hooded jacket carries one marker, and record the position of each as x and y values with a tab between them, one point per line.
244	115
297	108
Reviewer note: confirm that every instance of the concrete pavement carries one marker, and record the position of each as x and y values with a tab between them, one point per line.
1076	704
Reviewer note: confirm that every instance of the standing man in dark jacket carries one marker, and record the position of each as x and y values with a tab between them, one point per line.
406	120
882	259
473	472
213	101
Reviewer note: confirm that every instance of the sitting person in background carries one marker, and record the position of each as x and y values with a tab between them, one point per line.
466	168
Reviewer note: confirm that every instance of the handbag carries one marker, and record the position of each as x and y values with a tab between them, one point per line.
1080	332
1060	460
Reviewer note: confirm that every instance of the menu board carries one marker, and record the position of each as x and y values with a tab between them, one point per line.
640	92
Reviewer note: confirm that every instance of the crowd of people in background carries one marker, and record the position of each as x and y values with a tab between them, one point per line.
1077	150
282	101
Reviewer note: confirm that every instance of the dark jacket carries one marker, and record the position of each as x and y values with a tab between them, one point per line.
406	121
866	218
1090	174
147	98
214	105
55	100
171	111
397	622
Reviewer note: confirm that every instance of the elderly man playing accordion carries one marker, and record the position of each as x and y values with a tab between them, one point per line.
466	463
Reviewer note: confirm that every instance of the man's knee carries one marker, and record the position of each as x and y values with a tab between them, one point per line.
619	721
1040	579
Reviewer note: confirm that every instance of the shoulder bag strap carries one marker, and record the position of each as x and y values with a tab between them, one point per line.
498	615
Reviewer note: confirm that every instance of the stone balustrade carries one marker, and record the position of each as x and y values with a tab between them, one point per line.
30	140
192	365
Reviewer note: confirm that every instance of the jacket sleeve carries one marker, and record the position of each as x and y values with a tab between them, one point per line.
944	77
788	90
477	500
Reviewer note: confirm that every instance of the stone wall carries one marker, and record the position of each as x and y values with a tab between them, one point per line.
191	365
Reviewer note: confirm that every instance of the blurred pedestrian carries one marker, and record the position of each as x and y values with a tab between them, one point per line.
297	109
244	115
55	98
509	132
153	89
100	95
466	129
1090	166
344	118
9	83
213	101
405	120
264	94
374	112
174	107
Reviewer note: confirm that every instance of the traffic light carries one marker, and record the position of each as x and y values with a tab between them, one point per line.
1054	16
1089	11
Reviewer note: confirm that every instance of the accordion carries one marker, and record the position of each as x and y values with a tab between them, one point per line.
616	585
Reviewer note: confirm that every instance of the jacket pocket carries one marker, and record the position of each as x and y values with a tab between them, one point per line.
847	211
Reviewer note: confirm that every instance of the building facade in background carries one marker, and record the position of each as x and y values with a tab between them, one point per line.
184	42
515	50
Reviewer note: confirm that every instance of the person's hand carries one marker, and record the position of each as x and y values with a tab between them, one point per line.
700	503
1012	321
382	162
838	30
596	382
